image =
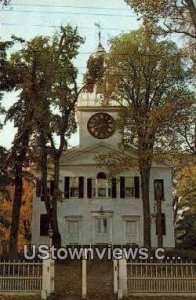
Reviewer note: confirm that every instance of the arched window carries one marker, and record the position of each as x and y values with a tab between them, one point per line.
101	175
101	187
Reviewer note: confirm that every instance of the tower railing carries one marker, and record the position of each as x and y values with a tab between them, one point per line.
94	99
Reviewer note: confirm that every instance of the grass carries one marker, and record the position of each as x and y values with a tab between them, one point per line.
160	298
127	298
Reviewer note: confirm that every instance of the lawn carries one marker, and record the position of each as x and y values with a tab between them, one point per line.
127	298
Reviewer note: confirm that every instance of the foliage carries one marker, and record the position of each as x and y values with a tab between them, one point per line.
186	188
147	77
95	71
44	112
26	215
186	207
58	97
175	16
5	2
3	170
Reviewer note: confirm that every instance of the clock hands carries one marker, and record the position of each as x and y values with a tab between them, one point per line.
101	125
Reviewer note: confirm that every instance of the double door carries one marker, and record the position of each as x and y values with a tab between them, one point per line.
102	230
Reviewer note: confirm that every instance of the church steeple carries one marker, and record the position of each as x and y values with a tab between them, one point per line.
93	78
99	35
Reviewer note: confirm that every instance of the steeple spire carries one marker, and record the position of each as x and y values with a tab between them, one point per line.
99	33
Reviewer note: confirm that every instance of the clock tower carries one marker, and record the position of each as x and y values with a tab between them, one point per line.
97	114
97	121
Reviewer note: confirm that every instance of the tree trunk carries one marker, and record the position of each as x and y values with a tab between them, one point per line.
159	222
50	204
54	218
21	147
17	202
44	174
145	180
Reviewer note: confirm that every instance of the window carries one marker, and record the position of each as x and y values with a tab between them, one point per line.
74	187
131	231
159	189
101	188
44	225
101	225
129	187
163	229
40	189
73	231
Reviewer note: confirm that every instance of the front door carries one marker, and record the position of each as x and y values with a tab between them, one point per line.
102	230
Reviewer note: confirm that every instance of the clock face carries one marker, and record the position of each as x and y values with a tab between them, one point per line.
101	125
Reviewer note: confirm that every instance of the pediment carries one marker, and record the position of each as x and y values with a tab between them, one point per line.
87	155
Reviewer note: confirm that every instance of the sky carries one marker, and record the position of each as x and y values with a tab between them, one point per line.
26	19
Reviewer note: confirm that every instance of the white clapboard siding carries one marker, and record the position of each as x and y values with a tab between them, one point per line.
20	276
161	277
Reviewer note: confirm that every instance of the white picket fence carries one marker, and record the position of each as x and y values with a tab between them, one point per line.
161	277
20	276
27	277
164	278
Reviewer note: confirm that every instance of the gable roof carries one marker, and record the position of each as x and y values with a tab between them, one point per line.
77	152
86	155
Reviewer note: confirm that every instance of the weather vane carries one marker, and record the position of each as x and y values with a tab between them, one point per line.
99	33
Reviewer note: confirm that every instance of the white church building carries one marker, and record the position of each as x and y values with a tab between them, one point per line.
96	209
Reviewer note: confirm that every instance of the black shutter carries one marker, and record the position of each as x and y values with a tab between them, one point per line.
137	186
89	187
44	225
66	187
38	188
81	187
113	187
122	187
51	187
163	226
159	189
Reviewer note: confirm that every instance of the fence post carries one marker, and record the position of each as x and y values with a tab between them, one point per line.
47	278
122	278
115	278
45	284
84	279
51	276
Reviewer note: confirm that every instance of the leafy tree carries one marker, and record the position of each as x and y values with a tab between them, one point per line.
46	78
5	176
176	16
147	78
6	204
172	16
186	134
5	2
58	97
6	85
186	207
